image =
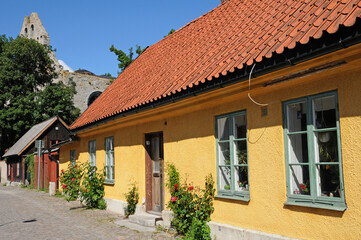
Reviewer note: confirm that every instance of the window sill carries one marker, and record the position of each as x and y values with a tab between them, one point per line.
109	182
336	206
244	198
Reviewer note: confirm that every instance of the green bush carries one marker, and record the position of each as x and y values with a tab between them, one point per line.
132	199
70	180
29	161
92	191
190	206
199	230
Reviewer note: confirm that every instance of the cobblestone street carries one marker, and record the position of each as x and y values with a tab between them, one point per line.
29	214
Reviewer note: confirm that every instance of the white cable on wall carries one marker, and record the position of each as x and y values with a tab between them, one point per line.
249	89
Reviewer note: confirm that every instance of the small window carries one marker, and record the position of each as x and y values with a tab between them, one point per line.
313	152
72	156
18	169
26	30
232	157
92	153
109	159
32	27
9	167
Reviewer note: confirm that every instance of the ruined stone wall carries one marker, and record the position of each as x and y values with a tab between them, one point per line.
87	85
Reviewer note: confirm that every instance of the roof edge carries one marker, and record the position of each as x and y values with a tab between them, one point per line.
327	43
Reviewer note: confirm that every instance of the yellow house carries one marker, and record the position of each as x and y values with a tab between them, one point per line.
265	96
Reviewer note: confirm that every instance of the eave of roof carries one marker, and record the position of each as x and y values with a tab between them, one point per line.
271	50
30	136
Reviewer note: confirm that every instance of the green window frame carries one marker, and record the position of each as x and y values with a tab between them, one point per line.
109	159
72	156
232	156
92	153
313	152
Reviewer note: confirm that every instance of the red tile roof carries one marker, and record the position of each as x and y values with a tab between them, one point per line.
223	40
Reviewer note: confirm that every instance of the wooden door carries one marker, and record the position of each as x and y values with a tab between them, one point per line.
154	143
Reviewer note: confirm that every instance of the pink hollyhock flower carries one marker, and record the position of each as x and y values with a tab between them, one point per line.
62	170
173	199
190	188
64	186
73	179
176	186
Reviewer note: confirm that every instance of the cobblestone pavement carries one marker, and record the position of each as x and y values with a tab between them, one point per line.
29	214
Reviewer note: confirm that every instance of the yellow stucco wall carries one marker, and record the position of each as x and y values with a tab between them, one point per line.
189	142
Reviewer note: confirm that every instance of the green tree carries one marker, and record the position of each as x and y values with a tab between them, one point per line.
57	97
124	59
170	32
27	95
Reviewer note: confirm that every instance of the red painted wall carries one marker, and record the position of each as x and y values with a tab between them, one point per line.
48	170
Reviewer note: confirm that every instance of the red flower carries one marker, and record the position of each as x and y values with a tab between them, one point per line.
62	170
302	186
176	186
64	186
190	188
79	177
174	199
86	190
73	179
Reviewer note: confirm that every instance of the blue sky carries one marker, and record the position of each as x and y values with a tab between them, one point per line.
82	31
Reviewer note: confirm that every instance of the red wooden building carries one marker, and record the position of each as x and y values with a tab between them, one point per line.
51	131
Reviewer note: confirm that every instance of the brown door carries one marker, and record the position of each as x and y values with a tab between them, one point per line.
154	171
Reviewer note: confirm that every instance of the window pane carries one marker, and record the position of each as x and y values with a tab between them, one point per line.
240	154
224	154
223	128
112	169
156	166
225	178
327	148
241	178
111	143
328	180
107	172
300	180
298	152
297	120
324	112
240	126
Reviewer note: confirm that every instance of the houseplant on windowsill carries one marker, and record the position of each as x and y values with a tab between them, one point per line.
243	185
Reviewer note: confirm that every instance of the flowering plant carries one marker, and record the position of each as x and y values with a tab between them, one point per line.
242	184
92	190
70	180
190	205
304	188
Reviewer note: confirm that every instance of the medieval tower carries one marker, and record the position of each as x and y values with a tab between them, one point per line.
88	85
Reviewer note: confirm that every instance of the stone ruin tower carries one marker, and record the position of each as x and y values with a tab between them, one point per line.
33	28
88	85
